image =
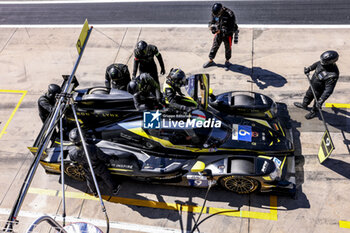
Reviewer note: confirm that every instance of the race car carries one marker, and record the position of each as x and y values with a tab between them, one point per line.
240	152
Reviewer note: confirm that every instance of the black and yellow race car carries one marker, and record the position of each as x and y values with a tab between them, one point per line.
242	148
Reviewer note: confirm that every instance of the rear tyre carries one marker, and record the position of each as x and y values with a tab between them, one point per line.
240	184
75	171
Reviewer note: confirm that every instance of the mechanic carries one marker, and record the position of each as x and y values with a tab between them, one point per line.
144	58
146	93
323	81
117	76
223	25
172	91
47	101
98	161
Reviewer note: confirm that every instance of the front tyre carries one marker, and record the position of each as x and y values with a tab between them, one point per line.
75	171
239	184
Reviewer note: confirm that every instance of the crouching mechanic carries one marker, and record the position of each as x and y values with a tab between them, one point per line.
172	92
98	161
47	101
117	76
323	82
146	93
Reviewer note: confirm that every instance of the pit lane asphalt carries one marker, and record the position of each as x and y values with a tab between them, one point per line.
184	12
269	61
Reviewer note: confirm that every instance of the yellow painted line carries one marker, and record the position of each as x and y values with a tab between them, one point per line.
272	215
344	224
3	131
335	105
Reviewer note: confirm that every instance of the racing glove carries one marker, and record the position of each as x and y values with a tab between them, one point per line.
188	109
319	104
307	70
162	72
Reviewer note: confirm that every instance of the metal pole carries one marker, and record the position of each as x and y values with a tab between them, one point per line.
29	177
62	172
89	162
319	109
316	101
50	221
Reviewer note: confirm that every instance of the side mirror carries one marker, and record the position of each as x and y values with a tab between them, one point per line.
207	172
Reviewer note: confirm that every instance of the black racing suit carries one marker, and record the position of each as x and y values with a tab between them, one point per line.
226	26
146	62
175	98
323	81
98	161
45	105
149	98
122	83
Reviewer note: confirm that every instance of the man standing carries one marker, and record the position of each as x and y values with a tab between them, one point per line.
144	54
98	161
323	82
223	25
47	101
117	76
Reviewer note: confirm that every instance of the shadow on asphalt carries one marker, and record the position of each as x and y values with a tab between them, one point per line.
338	119
338	166
261	77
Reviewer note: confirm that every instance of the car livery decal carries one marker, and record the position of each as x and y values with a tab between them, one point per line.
242	132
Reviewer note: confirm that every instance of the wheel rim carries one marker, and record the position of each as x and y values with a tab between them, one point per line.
240	184
76	172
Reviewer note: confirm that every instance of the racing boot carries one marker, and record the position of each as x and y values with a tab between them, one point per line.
208	64
310	115
300	105
227	65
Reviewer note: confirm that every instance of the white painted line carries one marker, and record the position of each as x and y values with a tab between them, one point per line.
96	222
260	26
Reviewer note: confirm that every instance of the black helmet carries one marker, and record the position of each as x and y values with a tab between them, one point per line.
141	46
216	9
329	57
133	87
74	136
114	73
177	77
145	78
53	89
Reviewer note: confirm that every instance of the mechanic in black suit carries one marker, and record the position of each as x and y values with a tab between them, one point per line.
117	76
47	101
98	160
323	81
223	25
172	91
144	54
146	92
